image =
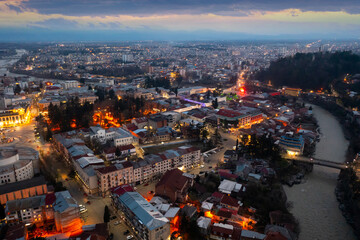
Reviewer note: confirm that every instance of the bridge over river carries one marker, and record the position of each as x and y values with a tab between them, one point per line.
316	161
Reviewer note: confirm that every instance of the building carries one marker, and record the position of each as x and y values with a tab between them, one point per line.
294	145
23	189
17	164
58	208
148	222
225	232
157	121
291	91
123	137
85	168
113	176
70	84
15	116
174	185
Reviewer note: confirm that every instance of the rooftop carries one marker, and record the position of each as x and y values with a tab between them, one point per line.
143	210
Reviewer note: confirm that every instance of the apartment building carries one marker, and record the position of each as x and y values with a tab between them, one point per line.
148	222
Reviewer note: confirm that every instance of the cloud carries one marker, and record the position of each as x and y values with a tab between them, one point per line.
150	7
241	16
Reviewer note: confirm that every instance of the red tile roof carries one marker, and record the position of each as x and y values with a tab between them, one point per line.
50	198
218	195
174	179
229	201
229	113
126	147
105	170
120	190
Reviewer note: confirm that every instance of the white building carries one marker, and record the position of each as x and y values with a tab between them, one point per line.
17	164
70	84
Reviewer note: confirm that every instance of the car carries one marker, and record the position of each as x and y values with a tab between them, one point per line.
117	223
88	202
111	236
129	237
151	192
126	232
84	210
202	166
113	217
146	184
210	167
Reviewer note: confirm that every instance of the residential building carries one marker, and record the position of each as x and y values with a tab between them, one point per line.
59	208
148	222
174	185
157	121
113	176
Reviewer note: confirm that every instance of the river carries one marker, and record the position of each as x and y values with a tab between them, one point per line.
314	202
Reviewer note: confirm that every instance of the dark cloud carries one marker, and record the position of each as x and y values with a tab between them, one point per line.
54	23
223	7
14	8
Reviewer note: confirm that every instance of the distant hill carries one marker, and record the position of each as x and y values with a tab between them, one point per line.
310	70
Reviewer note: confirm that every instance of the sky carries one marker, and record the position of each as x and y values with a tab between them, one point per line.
112	20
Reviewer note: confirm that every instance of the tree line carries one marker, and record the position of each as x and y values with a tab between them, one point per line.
70	114
310	70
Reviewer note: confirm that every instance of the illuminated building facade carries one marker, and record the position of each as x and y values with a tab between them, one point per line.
23	189
14	117
294	145
59	208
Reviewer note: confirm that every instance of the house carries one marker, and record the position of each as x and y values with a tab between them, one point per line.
173	185
188	211
229	202
157	121
225	232
204	224
227	186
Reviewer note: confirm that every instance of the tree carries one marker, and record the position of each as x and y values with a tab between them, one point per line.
17	89
215	103
111	94
106	214
118	152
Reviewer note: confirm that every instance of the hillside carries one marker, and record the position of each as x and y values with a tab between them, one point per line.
310	70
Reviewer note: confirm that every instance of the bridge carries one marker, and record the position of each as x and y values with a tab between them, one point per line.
316	161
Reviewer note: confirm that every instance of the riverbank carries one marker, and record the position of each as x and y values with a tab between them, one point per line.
314	203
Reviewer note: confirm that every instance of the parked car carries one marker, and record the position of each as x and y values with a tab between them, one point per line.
126	232
146	184
113	217
129	237
117	223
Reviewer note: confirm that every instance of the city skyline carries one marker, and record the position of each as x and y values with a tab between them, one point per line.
89	20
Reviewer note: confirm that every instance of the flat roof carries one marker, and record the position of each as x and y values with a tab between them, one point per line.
16	186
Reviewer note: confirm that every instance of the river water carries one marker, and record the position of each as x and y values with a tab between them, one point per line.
314	202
